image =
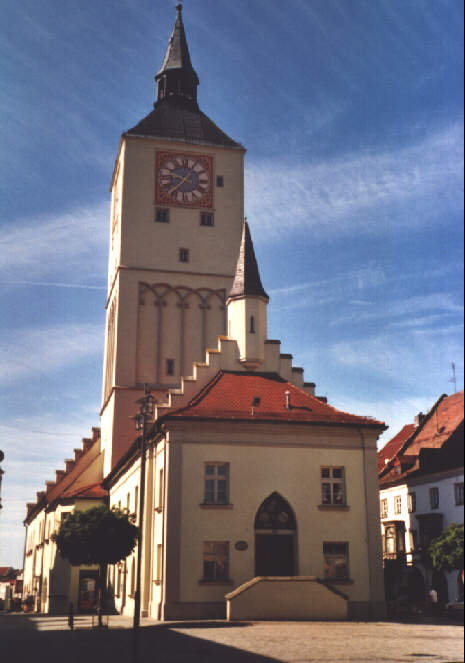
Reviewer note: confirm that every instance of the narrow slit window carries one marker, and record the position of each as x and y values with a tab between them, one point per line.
183	255
170	367
219	181
252	324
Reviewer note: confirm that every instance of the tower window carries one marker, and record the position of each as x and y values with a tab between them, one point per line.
207	220
219	180
170	367
162	215
252	324
183	255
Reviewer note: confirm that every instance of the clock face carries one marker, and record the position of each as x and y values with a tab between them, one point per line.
184	179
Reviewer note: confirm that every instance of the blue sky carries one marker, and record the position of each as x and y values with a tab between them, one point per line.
352	115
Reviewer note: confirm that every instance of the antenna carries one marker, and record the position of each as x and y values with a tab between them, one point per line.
454	377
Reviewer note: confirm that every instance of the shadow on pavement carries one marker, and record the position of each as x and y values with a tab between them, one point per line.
21	641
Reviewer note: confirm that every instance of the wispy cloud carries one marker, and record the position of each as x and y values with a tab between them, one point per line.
40	351
54	244
361	193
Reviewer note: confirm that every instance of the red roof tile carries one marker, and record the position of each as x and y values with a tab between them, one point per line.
434	431
392	447
92	491
229	395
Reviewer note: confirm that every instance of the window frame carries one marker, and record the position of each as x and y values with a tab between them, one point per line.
412	502
162	215
184	255
219	562
330	558
333	481
215	477
397	505
207	219
434	498
459	493
384	508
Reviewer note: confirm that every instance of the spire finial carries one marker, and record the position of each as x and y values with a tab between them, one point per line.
179	8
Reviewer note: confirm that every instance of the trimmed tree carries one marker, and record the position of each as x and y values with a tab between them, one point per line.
446	551
98	536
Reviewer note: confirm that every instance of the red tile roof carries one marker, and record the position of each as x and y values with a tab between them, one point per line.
92	491
229	395
392	447
436	428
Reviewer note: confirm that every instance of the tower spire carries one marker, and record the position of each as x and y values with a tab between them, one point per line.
177	80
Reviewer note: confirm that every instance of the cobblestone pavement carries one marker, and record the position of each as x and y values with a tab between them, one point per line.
25	638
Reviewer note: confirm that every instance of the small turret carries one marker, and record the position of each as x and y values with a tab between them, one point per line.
247	304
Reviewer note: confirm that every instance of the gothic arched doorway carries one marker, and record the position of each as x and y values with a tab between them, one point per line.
275	538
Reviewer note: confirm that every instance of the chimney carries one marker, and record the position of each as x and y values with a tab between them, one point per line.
40	494
418	419
95	433
77	454
86	444
69	464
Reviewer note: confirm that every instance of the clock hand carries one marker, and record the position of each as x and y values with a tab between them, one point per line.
175	188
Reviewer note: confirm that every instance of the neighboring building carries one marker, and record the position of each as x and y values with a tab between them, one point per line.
10	587
421	493
51	581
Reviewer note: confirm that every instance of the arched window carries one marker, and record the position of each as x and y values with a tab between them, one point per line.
275	513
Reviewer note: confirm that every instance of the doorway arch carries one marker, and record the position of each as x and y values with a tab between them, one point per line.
275	538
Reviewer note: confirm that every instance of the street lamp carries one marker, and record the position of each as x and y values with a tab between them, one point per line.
145	414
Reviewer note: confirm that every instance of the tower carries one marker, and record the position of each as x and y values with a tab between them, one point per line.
176	218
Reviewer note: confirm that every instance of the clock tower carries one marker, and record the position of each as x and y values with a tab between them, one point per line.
176	220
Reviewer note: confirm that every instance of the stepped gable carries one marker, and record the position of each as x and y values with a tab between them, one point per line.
230	396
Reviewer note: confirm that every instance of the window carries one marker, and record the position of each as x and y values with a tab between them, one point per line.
412	502
336	560
133	577
159	570
216	483
252	324
162	215
390	540
384	508
207	219
136	502
398	505
215	560
458	490
183	255
160	489
220	180
434	497
170	367
333	486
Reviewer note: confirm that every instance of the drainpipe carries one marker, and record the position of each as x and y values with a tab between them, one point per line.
367	524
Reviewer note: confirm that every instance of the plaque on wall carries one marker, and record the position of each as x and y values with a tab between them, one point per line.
241	545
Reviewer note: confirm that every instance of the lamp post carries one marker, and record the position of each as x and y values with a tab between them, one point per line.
146	408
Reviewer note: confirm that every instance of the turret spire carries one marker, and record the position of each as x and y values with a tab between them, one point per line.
247	280
177	80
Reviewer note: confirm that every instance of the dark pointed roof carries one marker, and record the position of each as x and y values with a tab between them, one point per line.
176	114
247	280
177	54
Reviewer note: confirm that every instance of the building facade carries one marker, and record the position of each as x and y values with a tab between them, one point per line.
50	583
421	493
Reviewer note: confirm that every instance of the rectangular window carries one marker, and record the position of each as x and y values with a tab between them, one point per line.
458	490
170	367
412	502
384	508
215	560
162	215
398	505
159	570
336	560
216	483
333	486
160	489
183	255
434	497
220	180
207	219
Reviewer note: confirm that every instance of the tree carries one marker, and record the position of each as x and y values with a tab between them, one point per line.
446	551
97	536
